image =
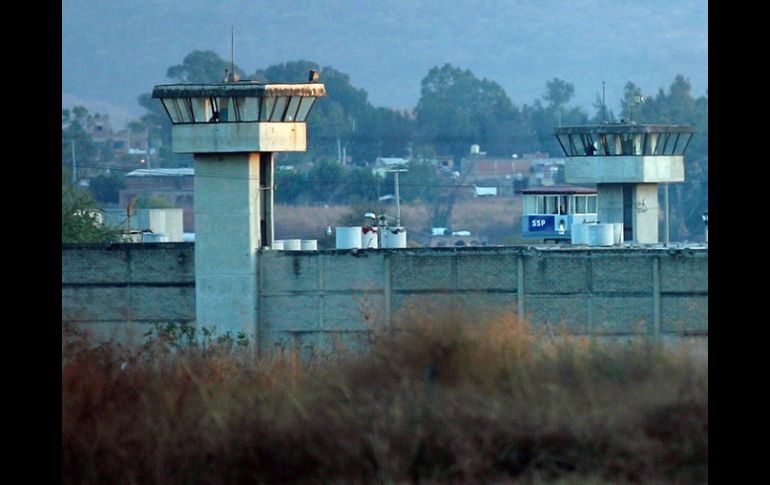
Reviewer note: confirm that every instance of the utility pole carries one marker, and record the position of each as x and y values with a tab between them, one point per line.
74	163
665	194
398	197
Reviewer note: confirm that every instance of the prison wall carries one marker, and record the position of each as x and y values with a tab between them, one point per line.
317	299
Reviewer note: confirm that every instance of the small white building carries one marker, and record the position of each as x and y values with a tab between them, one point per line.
383	164
168	222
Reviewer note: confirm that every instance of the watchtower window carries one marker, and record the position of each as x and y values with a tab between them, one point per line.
591	204
552	204
580	204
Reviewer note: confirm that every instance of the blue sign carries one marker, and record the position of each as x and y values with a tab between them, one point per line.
540	223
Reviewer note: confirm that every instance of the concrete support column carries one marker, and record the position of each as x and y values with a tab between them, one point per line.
267	186
227	226
646	213
610	203
642	206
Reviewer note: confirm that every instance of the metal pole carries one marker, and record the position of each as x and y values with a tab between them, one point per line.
604	110
398	203
74	164
665	191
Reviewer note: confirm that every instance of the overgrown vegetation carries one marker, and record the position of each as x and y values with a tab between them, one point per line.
442	396
80	216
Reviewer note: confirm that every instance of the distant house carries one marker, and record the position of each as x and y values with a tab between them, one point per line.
484	191
173	184
500	168
383	164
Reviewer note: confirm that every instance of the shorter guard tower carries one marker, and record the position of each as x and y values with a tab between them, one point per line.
626	161
233	130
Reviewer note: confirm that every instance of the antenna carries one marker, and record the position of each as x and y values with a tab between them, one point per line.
604	110
232	53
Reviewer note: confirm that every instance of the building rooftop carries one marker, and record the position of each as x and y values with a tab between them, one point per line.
161	172
559	189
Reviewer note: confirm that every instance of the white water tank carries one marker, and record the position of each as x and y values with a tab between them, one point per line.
601	234
348	237
579	233
278	244
369	240
292	244
309	244
618	233
394	237
150	237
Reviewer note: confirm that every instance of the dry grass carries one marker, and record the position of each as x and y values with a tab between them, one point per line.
442	396
493	217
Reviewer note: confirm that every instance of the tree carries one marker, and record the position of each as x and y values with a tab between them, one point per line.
558	92
79	216
201	67
106	188
288	186
326	181
74	138
456	110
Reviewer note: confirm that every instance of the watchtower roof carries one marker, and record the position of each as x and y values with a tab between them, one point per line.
238	89
625	128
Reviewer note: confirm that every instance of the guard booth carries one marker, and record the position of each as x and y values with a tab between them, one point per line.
549	212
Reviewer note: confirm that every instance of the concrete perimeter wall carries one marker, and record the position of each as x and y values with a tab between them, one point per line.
117	290
311	299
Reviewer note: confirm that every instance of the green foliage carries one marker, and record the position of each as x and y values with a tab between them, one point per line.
201	67
79	219
106	188
326	181
456	110
288	186
170	336
558	92
74	138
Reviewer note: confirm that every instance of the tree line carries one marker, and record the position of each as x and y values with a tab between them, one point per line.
455	110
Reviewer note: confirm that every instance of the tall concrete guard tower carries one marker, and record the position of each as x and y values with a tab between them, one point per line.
626	161
234	129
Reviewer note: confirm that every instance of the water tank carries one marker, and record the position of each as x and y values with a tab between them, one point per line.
601	234
348	237
150	237
292	244
579	233
475	148
618	233
369	240
394	238
309	244
278	244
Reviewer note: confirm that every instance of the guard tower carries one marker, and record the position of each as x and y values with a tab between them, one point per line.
626	161
233	130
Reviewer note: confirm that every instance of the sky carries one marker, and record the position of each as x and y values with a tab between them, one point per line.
114	51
